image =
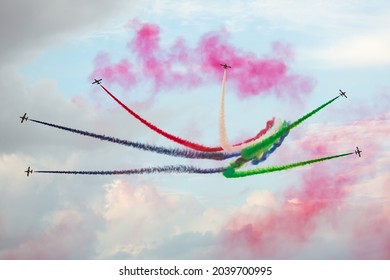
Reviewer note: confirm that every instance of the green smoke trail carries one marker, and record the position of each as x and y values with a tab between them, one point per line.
238	163
230	172
262	146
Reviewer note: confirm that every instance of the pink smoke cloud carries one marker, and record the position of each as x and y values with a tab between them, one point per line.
280	233
180	66
371	229
115	72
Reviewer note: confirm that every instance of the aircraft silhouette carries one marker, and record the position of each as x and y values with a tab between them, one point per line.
225	66
357	151
23	118
97	81
28	171
343	93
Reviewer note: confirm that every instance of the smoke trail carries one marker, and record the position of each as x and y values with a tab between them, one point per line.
239	162
224	142
272	127
161	150
147	170
174	138
251	151
269	128
223	138
265	155
230	172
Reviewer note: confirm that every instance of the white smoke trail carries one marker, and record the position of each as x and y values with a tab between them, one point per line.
223	138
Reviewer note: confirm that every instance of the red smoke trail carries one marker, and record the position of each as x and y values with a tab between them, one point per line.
178	65
179	140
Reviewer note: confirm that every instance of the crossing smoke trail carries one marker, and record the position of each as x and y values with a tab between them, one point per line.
147	170
260	147
161	150
176	139
271	124
224	142
262	150
270	151
257	150
230	172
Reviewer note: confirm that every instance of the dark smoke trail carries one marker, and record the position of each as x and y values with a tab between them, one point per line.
161	150
146	170
270	151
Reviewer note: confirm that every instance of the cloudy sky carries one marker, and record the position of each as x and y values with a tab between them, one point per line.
158	58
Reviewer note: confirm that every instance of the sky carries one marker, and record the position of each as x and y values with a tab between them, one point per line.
160	58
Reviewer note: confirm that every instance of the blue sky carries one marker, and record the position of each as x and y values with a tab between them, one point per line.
46	72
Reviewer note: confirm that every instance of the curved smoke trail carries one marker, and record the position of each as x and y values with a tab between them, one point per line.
263	149
274	147
147	170
257	151
174	138
240	161
230	172
151	148
223	138
264	145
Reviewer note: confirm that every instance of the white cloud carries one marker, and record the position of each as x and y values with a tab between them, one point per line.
142	218
356	51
